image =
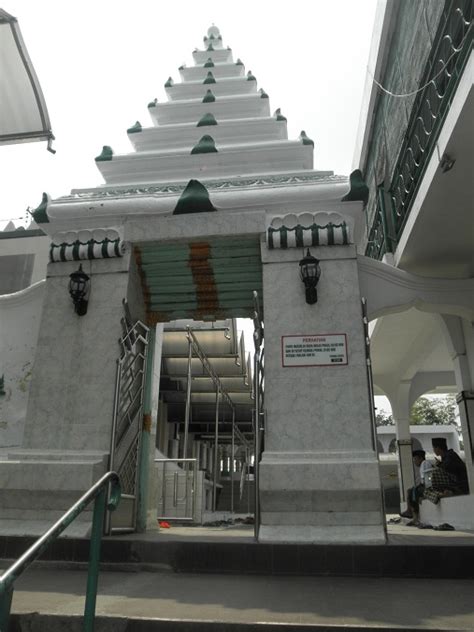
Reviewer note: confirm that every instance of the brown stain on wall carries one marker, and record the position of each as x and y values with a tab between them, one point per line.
203	276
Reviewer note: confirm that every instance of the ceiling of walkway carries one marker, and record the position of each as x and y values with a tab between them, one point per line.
202	280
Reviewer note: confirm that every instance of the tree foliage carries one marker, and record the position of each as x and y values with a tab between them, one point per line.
425	412
434	411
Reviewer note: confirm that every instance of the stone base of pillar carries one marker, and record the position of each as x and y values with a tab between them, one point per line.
321	498
38	487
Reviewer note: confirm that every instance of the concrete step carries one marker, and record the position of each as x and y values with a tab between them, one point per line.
36	622
53	601
247	557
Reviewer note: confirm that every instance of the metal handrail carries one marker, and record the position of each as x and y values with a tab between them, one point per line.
99	492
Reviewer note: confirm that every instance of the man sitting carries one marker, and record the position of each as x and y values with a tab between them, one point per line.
423	471
449	477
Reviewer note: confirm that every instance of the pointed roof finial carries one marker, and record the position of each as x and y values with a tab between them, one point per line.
213	32
250	77
278	115
205	146
169	83
209	97
209	78
194	199
305	140
207	119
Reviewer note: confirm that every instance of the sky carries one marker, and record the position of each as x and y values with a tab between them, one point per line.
100	62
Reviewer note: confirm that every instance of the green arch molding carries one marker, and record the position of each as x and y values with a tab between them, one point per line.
80	250
209	63
301	231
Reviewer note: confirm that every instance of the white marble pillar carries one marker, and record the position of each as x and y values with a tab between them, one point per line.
319	474
401	404
459	335
68	423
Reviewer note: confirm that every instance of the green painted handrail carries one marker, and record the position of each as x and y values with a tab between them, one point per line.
99	493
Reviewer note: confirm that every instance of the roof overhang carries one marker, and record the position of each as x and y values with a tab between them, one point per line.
24	114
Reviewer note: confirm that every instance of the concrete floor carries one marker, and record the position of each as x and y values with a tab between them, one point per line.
401	603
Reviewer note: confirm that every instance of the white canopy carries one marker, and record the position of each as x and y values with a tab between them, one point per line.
23	113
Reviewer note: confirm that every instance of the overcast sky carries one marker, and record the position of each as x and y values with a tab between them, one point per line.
101	62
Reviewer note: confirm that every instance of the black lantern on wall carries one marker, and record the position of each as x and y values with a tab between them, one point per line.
310	273
79	284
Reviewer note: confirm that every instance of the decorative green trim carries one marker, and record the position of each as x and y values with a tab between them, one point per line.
135	128
250	77
209	78
182	67
169	83
205	146
40	214
194	199
207	119
107	153
209	97
263	94
209	63
305	140
212	37
81	250
153	103
210	47
300	231
279	116
359	191
2	385
239	62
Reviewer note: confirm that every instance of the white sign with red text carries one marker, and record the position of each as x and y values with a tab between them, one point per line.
314	350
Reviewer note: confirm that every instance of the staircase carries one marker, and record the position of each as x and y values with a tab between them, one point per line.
244	505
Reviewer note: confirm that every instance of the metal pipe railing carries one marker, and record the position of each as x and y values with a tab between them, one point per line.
99	493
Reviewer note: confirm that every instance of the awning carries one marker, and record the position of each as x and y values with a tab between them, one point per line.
23	113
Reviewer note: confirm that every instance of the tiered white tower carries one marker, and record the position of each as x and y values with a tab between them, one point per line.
215	124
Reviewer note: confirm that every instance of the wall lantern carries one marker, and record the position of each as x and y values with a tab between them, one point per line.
79	290
310	273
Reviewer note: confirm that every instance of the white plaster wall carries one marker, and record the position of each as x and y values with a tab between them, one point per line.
19	324
72	391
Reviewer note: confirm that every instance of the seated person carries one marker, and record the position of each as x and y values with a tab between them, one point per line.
449	476
423	471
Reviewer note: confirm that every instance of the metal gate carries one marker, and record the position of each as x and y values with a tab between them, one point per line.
258	389
127	421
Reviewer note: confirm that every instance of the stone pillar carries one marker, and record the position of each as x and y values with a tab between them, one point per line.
459	334
68	423
401	404
319	474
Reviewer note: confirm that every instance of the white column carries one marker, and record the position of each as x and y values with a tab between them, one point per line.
319	474
459	334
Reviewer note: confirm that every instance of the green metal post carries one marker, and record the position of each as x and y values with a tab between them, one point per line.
6	595
144	459
94	559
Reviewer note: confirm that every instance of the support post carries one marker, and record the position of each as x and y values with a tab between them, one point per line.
216	453
188	402
232	464
94	559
